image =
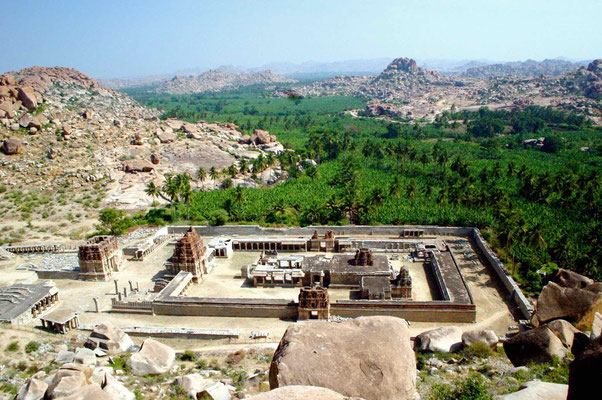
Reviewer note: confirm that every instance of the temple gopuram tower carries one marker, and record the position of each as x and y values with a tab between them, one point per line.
314	303
190	255
401	286
363	257
99	258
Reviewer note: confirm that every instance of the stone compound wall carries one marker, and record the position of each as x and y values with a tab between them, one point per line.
256	230
502	273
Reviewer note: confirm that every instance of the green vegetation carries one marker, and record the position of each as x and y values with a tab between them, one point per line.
31	347
471	388
538	208
12	347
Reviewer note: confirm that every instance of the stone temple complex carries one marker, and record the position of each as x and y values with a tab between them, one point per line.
99	258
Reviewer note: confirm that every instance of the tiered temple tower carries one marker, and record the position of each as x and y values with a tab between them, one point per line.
99	258
314	303
401	286
363	257
190	255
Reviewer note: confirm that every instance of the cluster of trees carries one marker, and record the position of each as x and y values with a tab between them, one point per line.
540	210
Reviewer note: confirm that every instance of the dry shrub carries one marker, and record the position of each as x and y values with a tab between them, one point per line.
585	324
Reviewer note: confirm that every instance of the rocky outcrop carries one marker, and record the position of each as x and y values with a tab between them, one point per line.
68	380
33	390
297	392
585	372
537	345
11	146
570	279
110	339
368	357
537	390
486	336
192	384
137	166
444	340
154	358
116	389
217	80
571	304
572	338
596	326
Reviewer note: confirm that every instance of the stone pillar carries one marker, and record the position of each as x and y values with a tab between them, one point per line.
137	286
131	286
125	291
116	286
96	304
119	296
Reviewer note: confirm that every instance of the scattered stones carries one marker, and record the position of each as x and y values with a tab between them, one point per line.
153	358
87	114
444	340
353	357
296	392
215	391
52	154
155	159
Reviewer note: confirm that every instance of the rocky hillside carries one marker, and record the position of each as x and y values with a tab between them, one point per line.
529	68
216	80
71	147
405	90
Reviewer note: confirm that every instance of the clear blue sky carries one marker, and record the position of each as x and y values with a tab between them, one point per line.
106	38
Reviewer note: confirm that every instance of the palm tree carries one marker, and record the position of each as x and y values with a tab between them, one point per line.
239	194
213	174
202	174
243	166
377	197
152	190
232	171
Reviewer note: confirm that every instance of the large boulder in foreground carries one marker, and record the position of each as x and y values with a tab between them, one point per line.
536	390
444	340
537	345
110	339
570	279
585	372
486	336
33	390
368	357
571	304
296	392
154	358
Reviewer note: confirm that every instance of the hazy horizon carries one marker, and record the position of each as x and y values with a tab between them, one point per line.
136	39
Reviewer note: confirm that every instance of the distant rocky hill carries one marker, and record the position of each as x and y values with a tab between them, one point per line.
529	68
217	80
585	81
405	90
